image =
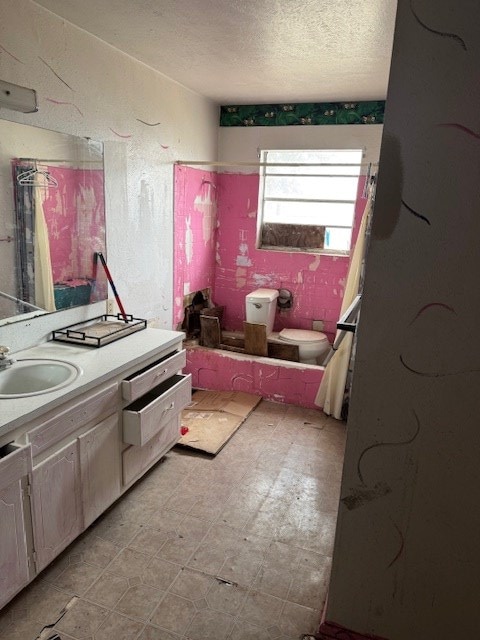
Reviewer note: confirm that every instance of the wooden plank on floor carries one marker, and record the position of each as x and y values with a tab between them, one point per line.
210	333
255	339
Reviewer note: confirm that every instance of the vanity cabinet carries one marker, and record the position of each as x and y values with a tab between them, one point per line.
56	503
15	468
71	459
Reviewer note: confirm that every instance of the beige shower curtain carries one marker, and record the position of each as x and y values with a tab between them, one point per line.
44	296
332	387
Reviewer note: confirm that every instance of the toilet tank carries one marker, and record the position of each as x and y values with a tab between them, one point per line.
260	306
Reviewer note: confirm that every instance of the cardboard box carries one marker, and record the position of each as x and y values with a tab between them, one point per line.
213	417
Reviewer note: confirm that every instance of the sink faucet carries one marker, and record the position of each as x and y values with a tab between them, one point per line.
4	361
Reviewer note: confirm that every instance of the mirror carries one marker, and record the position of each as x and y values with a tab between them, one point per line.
52	221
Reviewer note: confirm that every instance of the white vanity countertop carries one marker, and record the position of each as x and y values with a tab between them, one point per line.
97	365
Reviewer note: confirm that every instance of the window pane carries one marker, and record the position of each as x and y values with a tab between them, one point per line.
288	192
335	156
311	188
318	213
337	239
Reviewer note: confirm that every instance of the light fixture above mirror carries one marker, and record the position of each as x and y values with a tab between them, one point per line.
17	98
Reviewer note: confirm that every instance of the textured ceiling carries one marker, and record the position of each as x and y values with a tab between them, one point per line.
251	51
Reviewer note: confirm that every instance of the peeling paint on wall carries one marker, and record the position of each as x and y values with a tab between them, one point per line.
194	234
264	280
243	261
241	277
313	266
242	258
145	200
188	241
207	206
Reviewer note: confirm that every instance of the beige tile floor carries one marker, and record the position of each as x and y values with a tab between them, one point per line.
234	547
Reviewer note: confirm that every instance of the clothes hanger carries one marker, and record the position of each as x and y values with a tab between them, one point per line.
28	178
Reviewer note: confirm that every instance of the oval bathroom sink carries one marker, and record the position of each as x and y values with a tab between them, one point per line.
33	377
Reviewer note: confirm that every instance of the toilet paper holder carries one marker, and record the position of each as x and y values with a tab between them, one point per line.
285	299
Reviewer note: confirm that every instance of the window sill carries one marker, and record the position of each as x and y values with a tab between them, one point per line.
323	252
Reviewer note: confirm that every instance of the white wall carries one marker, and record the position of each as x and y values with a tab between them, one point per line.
109	93
406	562
241	144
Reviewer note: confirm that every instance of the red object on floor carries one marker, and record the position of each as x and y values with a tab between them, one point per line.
183	430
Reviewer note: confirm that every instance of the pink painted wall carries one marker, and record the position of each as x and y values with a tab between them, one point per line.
272	379
75	217
226	260
317	282
195	204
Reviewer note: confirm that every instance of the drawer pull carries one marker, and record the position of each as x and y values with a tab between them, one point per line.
161	373
169	408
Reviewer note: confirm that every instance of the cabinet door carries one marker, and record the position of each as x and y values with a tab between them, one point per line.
100	468
14	572
56	503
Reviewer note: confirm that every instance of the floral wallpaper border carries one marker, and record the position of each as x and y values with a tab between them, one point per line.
312	113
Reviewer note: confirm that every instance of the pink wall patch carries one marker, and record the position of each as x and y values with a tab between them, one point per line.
194	234
75	217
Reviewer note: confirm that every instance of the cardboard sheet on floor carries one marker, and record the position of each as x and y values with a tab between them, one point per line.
213	417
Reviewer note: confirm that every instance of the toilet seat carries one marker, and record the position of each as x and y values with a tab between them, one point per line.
302	336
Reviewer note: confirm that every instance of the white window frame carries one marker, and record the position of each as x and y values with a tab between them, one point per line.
264	164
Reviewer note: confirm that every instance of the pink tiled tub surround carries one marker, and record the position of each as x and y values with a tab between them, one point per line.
215	237
276	380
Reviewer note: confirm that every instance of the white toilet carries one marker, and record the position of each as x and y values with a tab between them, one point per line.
261	305
313	346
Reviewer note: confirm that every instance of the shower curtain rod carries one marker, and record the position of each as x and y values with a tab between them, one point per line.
49	160
275	164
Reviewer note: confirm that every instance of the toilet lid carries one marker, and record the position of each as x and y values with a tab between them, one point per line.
301	335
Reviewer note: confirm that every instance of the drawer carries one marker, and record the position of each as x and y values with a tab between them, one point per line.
138	459
15	463
145	417
142	381
94	408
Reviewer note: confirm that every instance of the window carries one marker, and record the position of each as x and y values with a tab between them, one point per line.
307	199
